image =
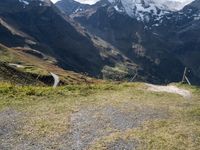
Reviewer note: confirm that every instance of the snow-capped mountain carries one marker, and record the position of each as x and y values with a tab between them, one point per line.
144	10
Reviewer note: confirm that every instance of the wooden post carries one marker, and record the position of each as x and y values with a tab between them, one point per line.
187	80
185	77
134	76
184	74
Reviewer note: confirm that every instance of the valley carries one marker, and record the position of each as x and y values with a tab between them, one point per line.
104	42
99	75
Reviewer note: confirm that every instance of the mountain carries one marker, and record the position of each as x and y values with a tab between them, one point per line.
71	6
142	10
106	43
152	43
27	67
40	27
182	35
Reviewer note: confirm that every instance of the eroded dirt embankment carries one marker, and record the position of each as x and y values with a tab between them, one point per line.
170	89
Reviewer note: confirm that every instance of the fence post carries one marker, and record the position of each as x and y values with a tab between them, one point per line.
185	77
184	74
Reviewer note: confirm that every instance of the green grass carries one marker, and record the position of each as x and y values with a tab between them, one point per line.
47	112
44	105
180	131
5	55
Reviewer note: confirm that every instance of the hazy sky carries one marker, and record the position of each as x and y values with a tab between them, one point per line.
94	1
81	1
54	1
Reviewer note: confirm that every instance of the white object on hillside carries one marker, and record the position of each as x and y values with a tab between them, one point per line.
16	65
170	89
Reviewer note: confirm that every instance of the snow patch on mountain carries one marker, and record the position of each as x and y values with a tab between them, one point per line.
176	5
54	1
40	2
90	2
171	4
140	9
24	2
145	9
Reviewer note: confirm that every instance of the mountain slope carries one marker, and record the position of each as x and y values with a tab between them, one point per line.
150	44
116	47
43	28
71	6
25	66
181	31
40	26
129	37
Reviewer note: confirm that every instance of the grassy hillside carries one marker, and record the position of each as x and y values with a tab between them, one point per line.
98	116
34	67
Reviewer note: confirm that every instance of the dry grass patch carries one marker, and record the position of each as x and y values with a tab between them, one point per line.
152	120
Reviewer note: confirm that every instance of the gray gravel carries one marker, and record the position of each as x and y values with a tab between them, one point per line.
121	144
8	128
88	125
91	124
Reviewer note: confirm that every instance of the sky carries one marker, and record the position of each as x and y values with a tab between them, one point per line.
94	1
81	1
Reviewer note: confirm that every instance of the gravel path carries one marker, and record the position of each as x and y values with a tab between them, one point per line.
56	79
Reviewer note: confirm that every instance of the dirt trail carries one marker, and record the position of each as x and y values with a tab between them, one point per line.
56	79
170	89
